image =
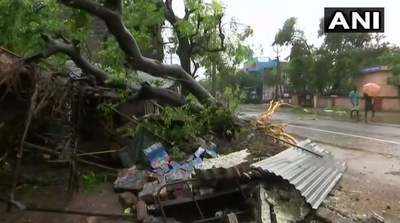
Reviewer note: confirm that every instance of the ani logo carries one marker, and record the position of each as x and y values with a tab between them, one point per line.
343	20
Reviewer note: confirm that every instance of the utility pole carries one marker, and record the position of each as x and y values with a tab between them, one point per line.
278	89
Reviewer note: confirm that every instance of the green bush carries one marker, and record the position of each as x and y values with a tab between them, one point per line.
179	128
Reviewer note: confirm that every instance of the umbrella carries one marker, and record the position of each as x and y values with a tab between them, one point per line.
371	89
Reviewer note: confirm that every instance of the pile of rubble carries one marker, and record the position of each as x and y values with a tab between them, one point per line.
208	187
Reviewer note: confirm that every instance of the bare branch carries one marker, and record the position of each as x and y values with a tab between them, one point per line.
56	46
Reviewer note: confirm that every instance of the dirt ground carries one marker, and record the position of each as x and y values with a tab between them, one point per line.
44	186
368	186
104	200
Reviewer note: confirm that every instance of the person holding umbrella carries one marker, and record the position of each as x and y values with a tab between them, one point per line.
371	90
369	106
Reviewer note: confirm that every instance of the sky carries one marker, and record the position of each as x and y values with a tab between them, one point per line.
267	16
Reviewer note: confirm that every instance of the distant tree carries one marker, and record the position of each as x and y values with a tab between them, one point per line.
343	55
301	56
223	68
288	33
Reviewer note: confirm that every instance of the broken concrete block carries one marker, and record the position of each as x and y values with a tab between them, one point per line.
288	205
127	199
130	179
263	207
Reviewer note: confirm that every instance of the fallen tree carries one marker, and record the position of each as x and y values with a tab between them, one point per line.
146	92
112	17
70	103
206	36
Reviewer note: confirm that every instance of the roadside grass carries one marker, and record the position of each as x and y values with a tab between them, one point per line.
343	114
334	113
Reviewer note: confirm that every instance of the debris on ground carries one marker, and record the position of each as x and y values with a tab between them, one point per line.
130	179
282	188
275	130
226	161
127	199
313	172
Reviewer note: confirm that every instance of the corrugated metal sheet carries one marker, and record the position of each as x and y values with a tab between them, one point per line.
313	175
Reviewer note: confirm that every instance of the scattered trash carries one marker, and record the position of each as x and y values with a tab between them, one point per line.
210	150
130	179
157	157
226	161
210	183
169	171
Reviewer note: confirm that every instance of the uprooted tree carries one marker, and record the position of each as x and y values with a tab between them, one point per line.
126	38
112	17
43	96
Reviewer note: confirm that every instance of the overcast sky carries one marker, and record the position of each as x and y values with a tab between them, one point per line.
267	16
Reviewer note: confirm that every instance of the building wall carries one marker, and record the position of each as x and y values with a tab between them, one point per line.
268	92
391	104
388	104
388	99
380	78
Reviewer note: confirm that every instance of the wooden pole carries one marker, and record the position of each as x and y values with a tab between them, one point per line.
20	151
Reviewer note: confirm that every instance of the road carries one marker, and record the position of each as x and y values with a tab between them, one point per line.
372	154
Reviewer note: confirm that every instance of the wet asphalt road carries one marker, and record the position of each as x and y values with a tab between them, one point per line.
371	151
371	137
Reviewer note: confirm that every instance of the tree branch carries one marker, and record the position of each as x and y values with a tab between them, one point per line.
199	46
188	12
130	47
56	46
115	5
165	96
196	67
169	13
